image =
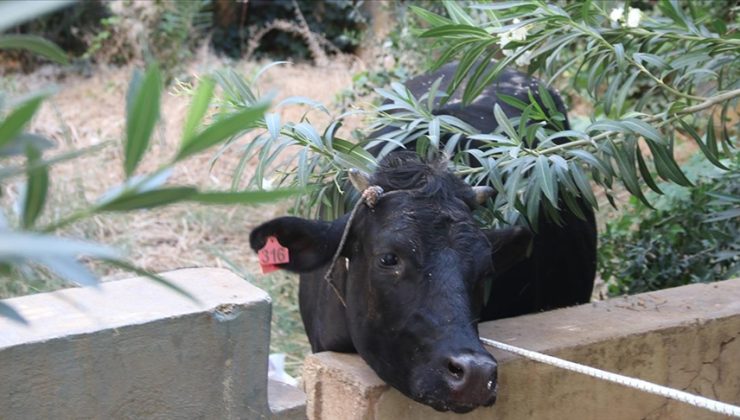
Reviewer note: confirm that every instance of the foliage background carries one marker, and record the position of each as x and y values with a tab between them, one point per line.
636	111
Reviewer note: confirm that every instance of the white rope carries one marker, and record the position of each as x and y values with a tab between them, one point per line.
674	394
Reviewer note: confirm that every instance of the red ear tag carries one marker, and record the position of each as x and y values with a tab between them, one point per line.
272	254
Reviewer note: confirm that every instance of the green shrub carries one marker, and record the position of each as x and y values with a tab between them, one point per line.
692	236
338	22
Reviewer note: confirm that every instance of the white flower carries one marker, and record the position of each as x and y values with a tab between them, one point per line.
633	17
504	39
520	33
616	14
524	59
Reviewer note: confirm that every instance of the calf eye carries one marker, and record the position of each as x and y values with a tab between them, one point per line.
389	260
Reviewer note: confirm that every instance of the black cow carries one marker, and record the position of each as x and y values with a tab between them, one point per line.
413	268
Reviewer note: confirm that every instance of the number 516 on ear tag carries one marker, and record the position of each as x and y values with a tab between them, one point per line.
272	254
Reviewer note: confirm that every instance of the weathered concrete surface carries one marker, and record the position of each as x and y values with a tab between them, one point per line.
286	401
686	338
134	349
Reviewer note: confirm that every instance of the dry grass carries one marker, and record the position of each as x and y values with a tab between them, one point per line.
89	110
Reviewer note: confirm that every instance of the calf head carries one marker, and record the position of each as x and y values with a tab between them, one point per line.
416	269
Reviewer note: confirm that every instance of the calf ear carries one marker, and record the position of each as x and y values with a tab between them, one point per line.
510	246
310	243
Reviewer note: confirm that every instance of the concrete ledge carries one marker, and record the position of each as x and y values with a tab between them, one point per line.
135	349
686	338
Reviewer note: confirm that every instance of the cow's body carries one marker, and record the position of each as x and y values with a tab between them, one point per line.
426	315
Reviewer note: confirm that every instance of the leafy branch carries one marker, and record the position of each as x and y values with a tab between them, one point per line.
28	247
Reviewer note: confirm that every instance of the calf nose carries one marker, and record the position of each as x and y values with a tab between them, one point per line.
472	378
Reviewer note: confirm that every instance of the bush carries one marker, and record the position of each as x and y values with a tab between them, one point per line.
69	27
692	235
273	28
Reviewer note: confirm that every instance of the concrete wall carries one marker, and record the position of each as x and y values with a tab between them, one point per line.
134	349
686	338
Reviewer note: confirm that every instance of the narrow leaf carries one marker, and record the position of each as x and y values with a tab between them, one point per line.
142	115
583	185
34	44
156	277
547	182
503	122
149	199
645	172
69	270
37	184
18	145
12	125
704	148
198	107
222	130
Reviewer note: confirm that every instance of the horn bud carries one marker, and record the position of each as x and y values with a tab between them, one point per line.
359	179
483	193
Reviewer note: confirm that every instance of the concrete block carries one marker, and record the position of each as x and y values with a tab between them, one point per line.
685	338
287	402
134	349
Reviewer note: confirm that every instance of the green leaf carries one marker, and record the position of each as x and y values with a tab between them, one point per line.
456	31
34	44
468	60
645	172
272	120
18	145
69	269
11	171
222	130
504	123
704	148
502	5
142	114
619	53
644	129
149	199
547	181
711	137
37	185
651	59
430	17
13	124
362	158
242	197
457	14
666	165
513	101
198	107
627	171
583	185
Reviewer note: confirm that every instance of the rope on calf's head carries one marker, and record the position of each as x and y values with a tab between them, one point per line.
370	197
645	386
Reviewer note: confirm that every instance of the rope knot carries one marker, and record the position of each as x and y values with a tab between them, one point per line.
371	195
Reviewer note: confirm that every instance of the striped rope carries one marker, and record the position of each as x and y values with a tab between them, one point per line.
649	387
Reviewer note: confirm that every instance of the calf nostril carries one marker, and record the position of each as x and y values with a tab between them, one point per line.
455	369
